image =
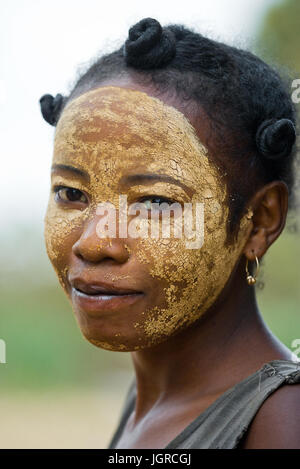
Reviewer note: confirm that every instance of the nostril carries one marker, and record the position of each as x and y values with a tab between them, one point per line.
79	255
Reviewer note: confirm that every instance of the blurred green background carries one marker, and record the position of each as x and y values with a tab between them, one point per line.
57	390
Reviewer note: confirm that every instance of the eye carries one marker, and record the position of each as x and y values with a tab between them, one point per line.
69	194
158	200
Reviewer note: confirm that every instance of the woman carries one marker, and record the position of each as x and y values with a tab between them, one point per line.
176	118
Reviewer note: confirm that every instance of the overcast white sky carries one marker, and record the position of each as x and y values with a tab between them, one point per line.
42	43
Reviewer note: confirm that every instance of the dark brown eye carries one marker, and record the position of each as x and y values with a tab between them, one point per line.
69	194
149	200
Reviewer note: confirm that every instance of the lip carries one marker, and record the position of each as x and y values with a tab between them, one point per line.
97	297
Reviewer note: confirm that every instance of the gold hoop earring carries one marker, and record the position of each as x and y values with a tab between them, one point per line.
251	280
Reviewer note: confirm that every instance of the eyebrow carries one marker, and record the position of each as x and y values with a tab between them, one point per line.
71	169
148	178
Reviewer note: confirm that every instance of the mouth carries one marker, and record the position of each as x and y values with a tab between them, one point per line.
95	298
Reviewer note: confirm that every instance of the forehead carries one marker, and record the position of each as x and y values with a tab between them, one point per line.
118	129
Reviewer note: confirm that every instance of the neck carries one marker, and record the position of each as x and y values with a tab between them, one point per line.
208	357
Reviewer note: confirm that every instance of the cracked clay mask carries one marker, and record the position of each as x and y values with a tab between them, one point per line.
113	135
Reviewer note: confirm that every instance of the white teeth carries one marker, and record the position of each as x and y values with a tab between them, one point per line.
100	296
106	297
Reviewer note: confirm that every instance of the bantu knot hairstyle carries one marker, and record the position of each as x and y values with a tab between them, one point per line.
149	45
51	107
275	138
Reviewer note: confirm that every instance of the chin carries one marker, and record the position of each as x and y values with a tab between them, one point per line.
110	339
114	346
116	331
119	342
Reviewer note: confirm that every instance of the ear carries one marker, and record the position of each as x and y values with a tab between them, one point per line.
270	206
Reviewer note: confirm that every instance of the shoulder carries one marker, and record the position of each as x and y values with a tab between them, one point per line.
277	423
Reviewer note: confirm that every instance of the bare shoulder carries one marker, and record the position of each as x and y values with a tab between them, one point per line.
276	425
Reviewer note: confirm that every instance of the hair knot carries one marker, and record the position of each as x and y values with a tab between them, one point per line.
51	107
275	138
149	45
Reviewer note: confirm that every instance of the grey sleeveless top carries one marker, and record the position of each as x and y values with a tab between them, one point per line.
225	421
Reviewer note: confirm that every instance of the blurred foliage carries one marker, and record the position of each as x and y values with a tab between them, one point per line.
278	39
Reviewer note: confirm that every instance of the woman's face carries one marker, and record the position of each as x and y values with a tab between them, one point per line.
132	292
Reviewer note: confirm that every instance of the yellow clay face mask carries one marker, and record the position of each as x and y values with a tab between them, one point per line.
112	134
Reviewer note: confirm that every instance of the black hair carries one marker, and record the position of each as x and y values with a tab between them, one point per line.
247	103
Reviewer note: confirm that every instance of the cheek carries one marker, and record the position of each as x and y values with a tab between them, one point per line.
175	270
193	278
180	260
60	232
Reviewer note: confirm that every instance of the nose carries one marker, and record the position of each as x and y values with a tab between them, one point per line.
90	247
